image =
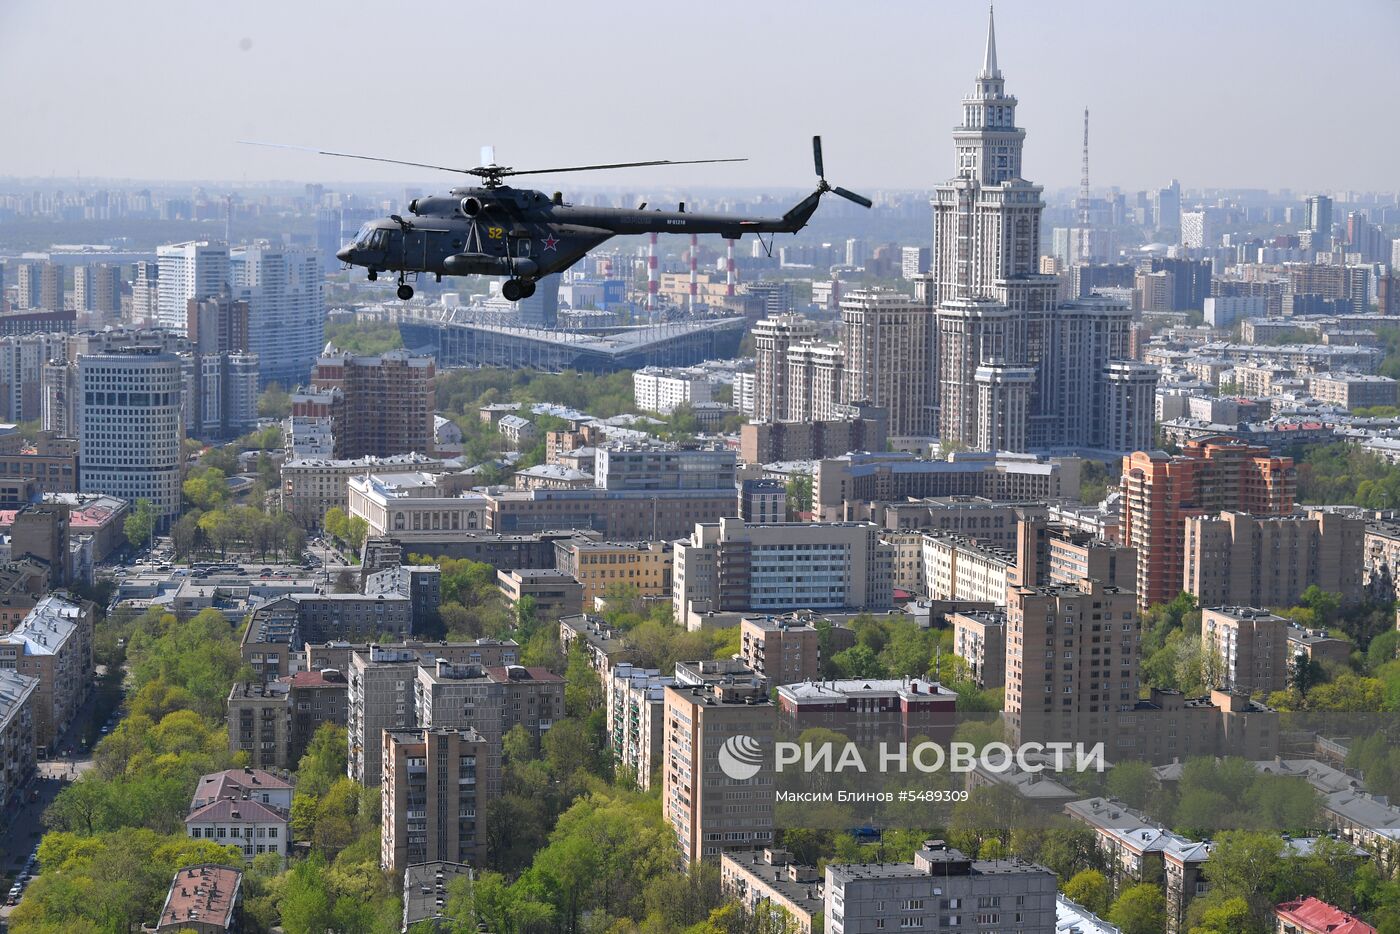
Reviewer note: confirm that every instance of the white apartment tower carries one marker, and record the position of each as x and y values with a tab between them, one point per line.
131	426
196	269
285	291
772	338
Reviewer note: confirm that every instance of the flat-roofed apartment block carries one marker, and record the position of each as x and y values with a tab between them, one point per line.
1052	552
709	811
871	709
635	701
598	566
1235	559
841	485
771	885
941	890
979	638
604	645
733	567
1160	491
783	649
1250	646
555	593
1352	390
54	644
963	570
433	797
260	723
490	652
490	701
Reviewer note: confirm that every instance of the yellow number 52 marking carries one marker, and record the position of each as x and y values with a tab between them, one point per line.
495	233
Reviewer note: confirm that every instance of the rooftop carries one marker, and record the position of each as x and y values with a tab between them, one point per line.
223	810
206	894
1316	915
47	627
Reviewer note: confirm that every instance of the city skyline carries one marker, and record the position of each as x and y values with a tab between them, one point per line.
1215	125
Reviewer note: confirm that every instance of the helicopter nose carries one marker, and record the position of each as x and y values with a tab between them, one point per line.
343	254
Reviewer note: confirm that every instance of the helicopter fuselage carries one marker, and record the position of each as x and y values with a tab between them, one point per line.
524	234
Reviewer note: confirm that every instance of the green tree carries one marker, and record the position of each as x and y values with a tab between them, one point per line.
799	495
274	402
1091	889
1139	909
140	523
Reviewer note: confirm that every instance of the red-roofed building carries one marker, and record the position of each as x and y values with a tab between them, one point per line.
254	827
206	899
256	784
1314	916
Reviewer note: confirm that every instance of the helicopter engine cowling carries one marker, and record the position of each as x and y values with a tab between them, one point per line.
484	264
471	206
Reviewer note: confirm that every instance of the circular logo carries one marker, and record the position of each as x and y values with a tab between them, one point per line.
740	757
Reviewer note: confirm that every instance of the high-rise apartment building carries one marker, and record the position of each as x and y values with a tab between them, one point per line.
1250	647
709	811
132	426
1319	221
887	339
145	295
815	381
382	405
223	400
1210	476
285	291
17	754
772	338
1236	559
196	269
782	649
40	285
1072	655
22	361
97	288
1013	369
433	797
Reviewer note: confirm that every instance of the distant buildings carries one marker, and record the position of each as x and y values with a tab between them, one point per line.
644	567
285	291
664	390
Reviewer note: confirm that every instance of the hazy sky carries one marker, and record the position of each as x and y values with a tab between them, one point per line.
1261	93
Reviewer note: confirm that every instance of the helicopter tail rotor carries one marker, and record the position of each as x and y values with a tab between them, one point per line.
823	185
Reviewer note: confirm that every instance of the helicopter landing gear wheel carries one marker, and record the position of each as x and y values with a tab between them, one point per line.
512	290
405	290
527	288
373	274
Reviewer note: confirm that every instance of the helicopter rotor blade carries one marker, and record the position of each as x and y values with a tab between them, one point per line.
862	200
817	156
351	155
611	165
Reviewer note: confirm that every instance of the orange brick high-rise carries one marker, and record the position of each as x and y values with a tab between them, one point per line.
1209	476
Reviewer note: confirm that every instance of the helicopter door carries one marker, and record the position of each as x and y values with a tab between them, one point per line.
415	248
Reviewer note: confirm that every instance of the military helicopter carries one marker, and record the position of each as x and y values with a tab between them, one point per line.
497	230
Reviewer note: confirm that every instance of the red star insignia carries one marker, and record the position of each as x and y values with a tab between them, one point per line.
551	243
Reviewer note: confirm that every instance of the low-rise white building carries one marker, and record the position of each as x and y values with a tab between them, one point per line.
959	568
255	827
663	390
312	485
410	507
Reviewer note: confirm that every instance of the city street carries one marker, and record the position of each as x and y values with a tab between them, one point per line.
19	836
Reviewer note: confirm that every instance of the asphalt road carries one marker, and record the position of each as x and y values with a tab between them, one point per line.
20	834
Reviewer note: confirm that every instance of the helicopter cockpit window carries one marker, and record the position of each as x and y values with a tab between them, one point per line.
362	238
379	240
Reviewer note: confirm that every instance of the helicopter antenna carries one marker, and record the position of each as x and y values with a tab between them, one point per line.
489	172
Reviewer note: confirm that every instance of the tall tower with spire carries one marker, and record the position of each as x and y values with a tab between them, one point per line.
990	296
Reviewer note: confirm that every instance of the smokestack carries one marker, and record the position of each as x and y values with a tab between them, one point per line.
653	281
694	262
